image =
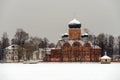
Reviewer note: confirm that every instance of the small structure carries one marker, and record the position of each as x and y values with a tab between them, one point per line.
105	59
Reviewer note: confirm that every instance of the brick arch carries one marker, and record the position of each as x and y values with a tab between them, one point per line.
66	45
75	51
76	45
87	45
66	48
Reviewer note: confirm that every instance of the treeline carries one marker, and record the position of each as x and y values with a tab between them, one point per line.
107	42
23	39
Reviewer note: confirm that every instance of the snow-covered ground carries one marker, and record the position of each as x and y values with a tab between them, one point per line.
60	71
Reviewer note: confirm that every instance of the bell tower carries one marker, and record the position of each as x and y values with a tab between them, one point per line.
74	30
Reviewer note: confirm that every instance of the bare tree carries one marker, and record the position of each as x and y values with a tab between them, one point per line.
35	41
118	41
1	57
86	30
4	44
29	50
102	42
45	40
44	43
20	37
51	45
110	45
13	41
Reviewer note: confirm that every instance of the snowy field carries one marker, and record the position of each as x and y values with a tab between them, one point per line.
60	71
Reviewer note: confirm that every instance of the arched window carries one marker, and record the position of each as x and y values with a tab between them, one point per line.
76	46
66	48
76	51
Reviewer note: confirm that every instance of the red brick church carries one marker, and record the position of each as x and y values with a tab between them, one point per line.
74	47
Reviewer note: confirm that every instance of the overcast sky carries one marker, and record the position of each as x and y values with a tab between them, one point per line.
50	18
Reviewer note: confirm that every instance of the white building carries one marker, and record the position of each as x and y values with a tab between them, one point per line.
40	54
11	53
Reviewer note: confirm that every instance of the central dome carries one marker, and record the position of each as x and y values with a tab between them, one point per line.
74	24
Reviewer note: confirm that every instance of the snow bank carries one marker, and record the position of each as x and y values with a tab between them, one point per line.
60	71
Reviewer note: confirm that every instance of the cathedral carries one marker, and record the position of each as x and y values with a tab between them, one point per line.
74	46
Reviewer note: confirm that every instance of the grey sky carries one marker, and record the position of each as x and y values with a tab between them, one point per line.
49	18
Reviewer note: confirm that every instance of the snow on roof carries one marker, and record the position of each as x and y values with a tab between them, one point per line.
70	42
61	42
52	48
81	42
105	56
13	46
65	33
95	47
85	33
74	21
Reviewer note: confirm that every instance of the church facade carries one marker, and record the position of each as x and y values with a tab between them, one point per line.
74	47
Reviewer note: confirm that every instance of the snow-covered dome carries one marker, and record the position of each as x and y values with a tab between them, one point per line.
74	24
74	21
84	35
66	34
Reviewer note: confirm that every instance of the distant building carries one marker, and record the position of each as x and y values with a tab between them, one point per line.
39	54
12	52
74	46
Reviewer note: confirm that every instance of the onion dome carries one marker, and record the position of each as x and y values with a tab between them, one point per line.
65	35
84	35
74	24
